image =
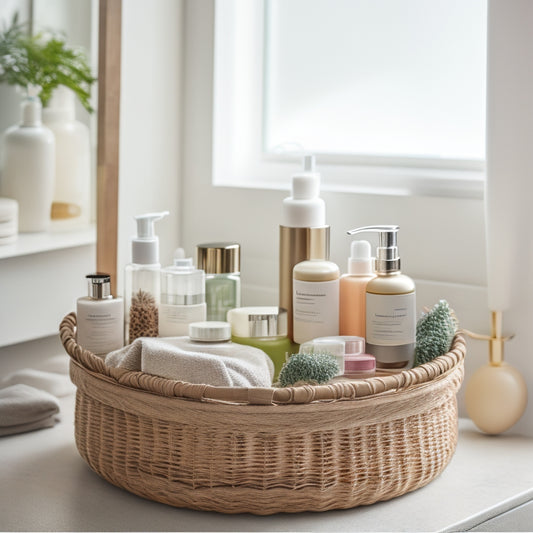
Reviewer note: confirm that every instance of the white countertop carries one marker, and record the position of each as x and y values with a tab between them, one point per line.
46	486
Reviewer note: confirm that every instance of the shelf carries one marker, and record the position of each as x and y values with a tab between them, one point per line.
34	243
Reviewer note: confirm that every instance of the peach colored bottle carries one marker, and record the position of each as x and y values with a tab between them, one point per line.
352	297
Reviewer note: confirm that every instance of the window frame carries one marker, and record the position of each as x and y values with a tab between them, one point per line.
239	159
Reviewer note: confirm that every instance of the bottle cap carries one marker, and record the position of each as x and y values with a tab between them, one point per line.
304	208
210	331
357	364
360	261
352	344
387	258
219	257
99	286
258	321
145	246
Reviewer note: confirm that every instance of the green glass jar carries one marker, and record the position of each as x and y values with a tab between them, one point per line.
264	328
221	263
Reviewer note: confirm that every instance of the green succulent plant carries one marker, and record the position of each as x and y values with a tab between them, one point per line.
434	333
308	368
43	61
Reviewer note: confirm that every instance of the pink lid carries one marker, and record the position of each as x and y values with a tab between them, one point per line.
359	363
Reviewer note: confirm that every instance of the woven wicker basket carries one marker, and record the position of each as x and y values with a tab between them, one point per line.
265	450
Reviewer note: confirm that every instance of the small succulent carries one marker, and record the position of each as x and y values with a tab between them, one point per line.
434	333
308	368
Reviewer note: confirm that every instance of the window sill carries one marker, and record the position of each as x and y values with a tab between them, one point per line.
391	181
34	243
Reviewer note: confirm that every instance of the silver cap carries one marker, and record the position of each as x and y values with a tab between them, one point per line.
99	286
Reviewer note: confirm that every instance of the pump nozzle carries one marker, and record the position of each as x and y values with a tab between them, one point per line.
145	224
309	163
387	258
145	246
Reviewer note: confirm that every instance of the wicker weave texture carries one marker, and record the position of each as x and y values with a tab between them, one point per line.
231	457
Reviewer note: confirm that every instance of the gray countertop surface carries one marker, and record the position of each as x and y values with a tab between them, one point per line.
46	486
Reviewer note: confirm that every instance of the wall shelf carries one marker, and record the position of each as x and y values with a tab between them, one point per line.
34	243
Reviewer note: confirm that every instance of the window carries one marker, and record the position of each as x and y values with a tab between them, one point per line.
389	95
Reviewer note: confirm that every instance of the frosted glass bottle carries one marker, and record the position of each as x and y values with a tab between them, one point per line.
182	298
29	164
221	263
100	317
72	159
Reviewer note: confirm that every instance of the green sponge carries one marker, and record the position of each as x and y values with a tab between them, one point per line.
308	368
434	333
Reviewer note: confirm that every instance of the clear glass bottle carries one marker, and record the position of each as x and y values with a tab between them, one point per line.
143	281
182	298
221	263
100	317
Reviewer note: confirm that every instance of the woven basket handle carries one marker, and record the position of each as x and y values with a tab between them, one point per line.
342	390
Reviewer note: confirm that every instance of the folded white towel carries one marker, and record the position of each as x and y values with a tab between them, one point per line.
222	364
24	408
51	382
59	364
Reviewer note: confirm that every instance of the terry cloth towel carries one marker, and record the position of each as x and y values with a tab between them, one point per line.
221	364
51	382
24	408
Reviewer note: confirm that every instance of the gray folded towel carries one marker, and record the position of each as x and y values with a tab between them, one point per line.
52	382
24	408
224	365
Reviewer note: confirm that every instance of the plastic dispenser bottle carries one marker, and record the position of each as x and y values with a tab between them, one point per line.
390	305
73	161
182	298
303	233
315	300
29	165
142	280
352	297
264	328
100	317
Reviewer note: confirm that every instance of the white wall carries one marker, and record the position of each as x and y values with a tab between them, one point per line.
150	122
442	241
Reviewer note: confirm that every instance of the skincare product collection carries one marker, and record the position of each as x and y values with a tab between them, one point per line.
185	322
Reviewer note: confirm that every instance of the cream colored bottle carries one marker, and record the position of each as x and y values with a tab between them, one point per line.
390	305
352	290
315	300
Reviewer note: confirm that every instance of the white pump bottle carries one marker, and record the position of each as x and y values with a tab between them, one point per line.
303	233
142	280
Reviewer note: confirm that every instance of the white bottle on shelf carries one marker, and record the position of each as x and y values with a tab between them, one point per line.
29	164
73	159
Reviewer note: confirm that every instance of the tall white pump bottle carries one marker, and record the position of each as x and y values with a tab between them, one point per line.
143	281
303	233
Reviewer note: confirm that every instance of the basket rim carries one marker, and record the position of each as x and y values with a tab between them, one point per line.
419	376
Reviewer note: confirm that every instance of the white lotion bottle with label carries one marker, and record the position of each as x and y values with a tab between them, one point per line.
315	300
100	317
390	305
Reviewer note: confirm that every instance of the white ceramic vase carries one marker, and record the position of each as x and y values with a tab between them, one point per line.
29	166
